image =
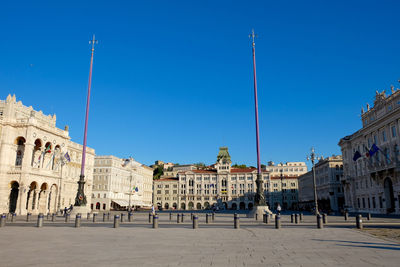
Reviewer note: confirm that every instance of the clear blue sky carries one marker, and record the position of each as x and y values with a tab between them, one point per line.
172	80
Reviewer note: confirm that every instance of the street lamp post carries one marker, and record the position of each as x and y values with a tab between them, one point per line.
313	157
281	171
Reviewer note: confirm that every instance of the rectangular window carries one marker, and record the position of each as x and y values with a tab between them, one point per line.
380	202
383	136
393	131
158	191
369	203
373	203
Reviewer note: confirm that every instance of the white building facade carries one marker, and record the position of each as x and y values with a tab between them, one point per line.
120	183
372	176
39	164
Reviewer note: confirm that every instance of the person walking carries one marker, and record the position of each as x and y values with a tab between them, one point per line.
152	209
279	209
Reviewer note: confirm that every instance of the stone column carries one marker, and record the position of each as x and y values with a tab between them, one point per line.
36	200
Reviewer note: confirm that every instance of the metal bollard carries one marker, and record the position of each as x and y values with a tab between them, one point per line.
195	222
369	216
191	216
325	218
301	217
130	217
78	220
40	220
66	217
108	216
178	218
346	216
236	222
104	217
170	216
122	217
94	217
277	222
256	216
28	216
48	216
213	216
88	216
265	218
3	219
150	217
182	217
116	221
296	218
319	222
155	221
359	223
13	217
291	218
207	218
53	217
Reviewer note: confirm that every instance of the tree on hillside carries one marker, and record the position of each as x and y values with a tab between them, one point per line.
158	171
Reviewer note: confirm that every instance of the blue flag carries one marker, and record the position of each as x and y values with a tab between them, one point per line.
357	155
373	150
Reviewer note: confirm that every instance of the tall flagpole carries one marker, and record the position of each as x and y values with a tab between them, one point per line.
259	197
80	199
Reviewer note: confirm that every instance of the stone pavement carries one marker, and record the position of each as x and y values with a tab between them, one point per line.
217	244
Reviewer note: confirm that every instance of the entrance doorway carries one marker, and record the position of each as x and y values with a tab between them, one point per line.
13	196
389	196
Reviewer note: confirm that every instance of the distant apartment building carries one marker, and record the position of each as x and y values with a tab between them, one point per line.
120	183
371	158
226	187
166	193
328	175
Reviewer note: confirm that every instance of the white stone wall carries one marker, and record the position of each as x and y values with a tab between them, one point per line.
28	184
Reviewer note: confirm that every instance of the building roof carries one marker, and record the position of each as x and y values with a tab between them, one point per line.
166	179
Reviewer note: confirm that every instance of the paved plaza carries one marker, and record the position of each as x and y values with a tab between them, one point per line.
215	244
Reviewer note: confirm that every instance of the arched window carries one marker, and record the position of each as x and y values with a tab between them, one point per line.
20	142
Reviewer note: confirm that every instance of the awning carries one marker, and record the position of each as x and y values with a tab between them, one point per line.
121	202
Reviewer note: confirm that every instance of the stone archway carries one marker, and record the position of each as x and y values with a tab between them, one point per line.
198	206
190	205
166	206
183	206
250	206
206	205
234	206
389	195
13	196
242	206
175	206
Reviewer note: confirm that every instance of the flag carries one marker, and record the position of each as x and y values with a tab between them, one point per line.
47	150
136	189
373	150
357	155
67	158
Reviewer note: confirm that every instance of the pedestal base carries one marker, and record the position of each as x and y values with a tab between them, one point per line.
83	210
260	210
